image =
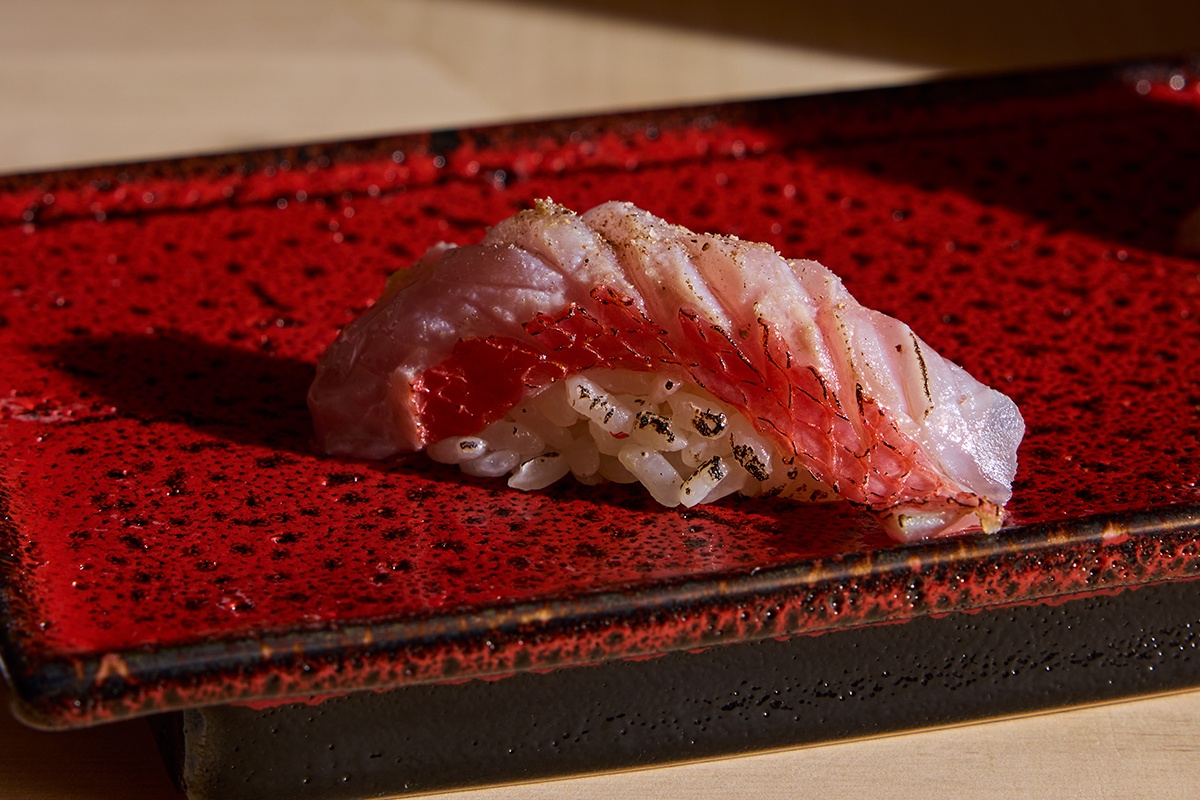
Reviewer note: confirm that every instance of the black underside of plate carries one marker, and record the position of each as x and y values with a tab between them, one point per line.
723	701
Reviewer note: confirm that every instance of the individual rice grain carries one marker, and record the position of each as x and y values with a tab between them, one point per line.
492	465
507	434
583	457
611	469
457	449
598	405
539	472
707	477
750	449
655	430
654	471
704	416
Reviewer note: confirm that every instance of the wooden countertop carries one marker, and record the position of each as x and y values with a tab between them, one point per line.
84	82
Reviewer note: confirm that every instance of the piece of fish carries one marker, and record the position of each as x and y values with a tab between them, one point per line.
850	394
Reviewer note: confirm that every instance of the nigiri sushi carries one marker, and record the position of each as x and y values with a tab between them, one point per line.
613	345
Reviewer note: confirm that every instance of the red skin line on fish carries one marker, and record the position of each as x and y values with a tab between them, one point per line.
483	378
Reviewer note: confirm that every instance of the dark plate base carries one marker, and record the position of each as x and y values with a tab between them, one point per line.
723	701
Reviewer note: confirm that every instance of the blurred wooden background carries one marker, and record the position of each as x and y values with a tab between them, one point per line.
85	82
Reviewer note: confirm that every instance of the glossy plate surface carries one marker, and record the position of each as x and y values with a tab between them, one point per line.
169	537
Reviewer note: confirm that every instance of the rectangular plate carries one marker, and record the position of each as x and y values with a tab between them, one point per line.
170	539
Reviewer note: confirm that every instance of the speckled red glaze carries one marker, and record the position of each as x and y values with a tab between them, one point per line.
169	537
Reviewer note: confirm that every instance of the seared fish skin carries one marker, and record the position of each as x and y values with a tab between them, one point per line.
850	394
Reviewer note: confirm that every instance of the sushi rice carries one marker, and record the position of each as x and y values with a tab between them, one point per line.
671	436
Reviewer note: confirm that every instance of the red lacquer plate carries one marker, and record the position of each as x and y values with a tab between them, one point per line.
169	537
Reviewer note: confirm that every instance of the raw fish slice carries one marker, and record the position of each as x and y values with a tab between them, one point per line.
851	400
364	401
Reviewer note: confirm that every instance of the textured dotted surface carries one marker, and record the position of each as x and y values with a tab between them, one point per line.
170	537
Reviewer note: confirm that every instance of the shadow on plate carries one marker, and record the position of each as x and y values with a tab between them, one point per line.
235	394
